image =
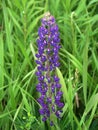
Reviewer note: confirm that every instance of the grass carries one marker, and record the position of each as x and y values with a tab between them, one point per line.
78	73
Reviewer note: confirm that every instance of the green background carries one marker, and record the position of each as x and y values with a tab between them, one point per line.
78	73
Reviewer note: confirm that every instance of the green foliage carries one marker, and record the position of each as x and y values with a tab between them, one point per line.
78	73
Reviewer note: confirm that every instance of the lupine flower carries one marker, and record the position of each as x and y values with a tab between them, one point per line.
47	61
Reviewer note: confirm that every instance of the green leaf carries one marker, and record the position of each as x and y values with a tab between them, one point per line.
1	66
62	82
91	103
25	101
14	20
6	114
8	30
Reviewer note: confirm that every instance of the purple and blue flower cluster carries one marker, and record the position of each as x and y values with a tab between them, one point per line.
47	61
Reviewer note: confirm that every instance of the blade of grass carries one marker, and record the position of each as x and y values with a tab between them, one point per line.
1	66
85	68
65	95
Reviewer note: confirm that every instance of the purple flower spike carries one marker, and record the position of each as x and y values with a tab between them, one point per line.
47	61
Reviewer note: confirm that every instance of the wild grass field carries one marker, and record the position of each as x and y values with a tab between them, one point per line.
78	71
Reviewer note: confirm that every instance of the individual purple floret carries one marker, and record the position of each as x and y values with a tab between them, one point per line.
47	61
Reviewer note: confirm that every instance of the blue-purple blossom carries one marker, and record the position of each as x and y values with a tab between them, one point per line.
47	61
